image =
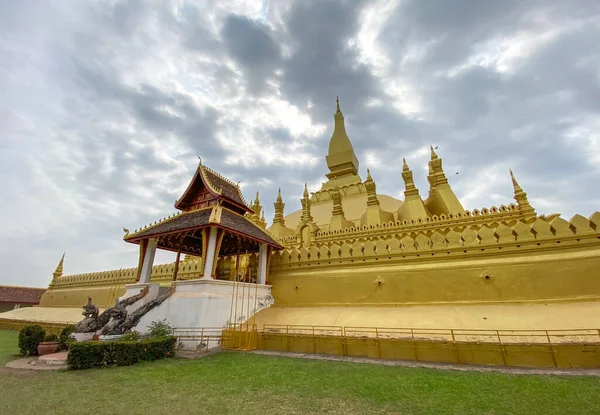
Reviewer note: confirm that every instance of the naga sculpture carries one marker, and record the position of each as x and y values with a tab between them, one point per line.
116	319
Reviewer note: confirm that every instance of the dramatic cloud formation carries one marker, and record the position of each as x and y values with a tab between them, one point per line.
105	105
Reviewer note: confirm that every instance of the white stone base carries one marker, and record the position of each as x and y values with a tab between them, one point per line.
109	337
207	304
82	337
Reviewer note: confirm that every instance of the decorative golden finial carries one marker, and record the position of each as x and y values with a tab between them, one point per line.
306	215
279	206
336	199
433	154
126	231
410	188
371	188
337	102
516	186
256	200
521	198
59	268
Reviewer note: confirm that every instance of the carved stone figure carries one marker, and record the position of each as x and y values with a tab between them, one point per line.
116	319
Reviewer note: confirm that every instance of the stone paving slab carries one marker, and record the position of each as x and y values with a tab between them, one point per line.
31	363
442	366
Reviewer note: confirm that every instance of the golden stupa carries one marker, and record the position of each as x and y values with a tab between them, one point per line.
353	257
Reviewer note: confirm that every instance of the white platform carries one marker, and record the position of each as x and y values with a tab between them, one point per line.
206	303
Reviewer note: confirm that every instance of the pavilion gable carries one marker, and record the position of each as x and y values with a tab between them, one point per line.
208	188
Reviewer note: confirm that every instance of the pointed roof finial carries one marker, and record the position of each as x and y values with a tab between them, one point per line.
404	165
59	268
514	181
279	195
305	191
433	154
337	101
200	160
369	175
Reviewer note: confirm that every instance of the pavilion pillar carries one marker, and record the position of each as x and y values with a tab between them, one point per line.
263	256
148	261
211	253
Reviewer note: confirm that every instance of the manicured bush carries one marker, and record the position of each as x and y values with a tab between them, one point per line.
160	329
86	355
65	338
51	338
131	336
29	338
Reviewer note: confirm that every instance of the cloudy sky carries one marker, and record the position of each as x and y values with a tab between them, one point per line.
105	105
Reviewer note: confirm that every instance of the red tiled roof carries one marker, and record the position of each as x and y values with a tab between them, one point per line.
21	295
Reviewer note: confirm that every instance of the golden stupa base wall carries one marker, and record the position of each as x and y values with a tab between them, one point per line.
538	261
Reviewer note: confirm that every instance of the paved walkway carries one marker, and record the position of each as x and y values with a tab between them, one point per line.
442	366
54	361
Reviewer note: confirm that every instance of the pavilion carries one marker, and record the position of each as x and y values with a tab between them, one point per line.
214	221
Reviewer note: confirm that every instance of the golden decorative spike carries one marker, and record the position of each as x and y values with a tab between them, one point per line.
434	156
337	102
59	268
305	191
521	198
410	188
371	188
279	206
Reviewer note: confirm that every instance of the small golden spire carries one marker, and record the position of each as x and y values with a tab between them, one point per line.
371	188
256	200
433	154
59	268
410	188
521	198
336	199
279	206
306	215
337	101
516	186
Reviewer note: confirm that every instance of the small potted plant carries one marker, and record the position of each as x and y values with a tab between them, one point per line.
49	345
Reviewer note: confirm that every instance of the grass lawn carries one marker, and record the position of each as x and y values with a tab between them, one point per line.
236	383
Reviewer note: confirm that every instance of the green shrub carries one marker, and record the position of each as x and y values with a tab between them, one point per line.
64	338
51	338
29	338
86	355
131	336
160	329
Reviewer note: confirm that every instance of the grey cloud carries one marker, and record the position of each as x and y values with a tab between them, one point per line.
251	44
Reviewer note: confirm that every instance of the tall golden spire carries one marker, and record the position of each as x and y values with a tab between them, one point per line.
371	190
279	206
521	198
59	268
306	215
341	159
410	188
